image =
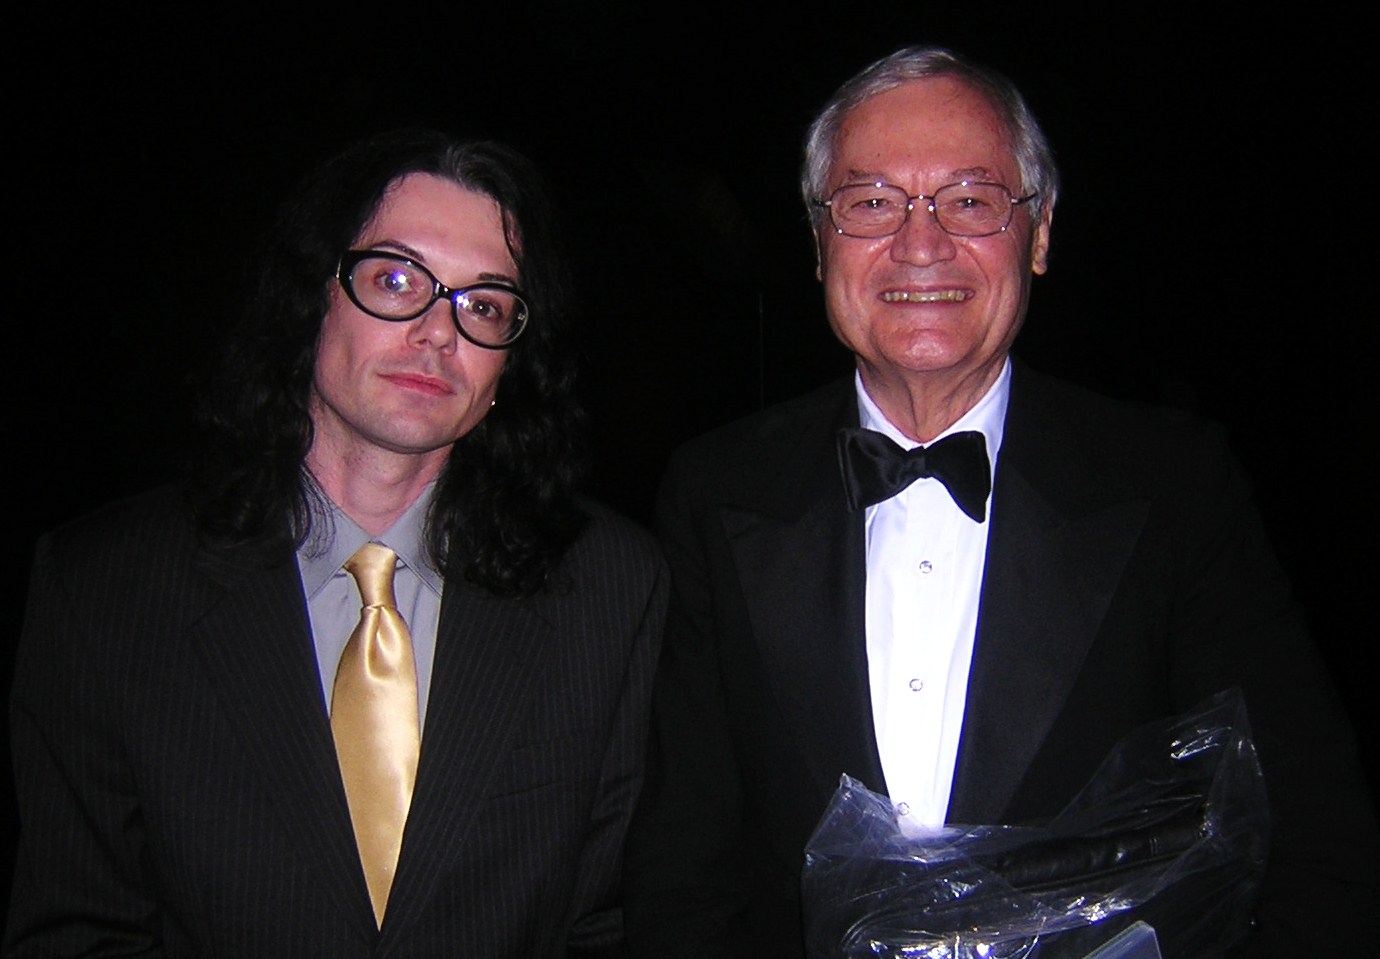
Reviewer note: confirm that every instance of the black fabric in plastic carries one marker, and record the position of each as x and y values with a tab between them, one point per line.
1171	830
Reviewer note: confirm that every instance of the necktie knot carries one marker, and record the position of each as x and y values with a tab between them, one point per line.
875	469
372	566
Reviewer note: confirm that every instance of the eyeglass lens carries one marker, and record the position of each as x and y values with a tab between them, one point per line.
394	289
963	209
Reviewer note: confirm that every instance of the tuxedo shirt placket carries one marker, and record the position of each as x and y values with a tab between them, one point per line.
925	563
920	638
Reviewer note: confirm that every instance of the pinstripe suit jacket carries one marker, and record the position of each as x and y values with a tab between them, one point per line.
177	781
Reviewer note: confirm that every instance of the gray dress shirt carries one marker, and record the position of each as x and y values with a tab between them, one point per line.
333	601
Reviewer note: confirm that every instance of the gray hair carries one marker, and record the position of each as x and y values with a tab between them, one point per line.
1032	152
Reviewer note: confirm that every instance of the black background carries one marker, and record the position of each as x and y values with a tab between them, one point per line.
1212	247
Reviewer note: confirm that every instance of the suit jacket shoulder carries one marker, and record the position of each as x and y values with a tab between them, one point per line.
762	460
610	533
1058	433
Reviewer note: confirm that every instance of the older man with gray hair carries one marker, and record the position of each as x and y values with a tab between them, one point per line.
950	577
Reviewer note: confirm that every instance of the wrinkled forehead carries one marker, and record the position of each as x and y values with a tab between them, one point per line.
935	126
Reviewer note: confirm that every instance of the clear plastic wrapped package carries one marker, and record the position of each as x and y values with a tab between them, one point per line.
1172	830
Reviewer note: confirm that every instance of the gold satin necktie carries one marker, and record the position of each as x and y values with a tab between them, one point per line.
374	721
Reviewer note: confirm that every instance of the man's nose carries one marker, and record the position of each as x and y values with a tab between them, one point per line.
435	327
921	240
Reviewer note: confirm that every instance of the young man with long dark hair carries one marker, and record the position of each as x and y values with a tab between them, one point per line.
373	681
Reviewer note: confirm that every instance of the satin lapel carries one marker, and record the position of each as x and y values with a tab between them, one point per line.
800	557
486	652
257	646
1055	555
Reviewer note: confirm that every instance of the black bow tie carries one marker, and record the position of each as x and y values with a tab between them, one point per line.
876	469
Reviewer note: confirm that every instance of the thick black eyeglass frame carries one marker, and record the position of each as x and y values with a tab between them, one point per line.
344	274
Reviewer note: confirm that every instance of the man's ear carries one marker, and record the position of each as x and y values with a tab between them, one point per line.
819	256
1039	242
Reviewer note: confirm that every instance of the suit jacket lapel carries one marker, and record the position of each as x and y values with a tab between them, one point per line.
1055	553
486	651
799	552
255	639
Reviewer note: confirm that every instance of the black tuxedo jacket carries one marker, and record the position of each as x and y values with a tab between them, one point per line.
1127	578
178	788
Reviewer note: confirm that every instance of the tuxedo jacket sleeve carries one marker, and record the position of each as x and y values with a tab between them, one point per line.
176	777
1127	579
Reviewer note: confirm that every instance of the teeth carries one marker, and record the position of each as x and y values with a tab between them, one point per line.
936	296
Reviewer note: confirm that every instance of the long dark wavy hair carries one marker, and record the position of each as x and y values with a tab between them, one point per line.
505	508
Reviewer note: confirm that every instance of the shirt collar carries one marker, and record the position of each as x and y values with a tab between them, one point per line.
335	538
988	416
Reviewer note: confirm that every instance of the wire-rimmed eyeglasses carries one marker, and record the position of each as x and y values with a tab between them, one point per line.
966	208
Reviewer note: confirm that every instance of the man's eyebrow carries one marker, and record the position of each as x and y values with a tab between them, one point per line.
858	176
411	254
966	173
973	173
402	248
498	278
